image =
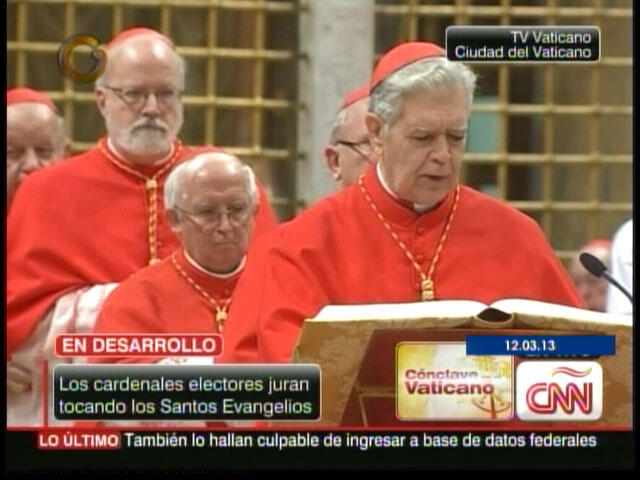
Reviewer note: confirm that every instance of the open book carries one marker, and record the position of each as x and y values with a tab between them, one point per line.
354	343
509	313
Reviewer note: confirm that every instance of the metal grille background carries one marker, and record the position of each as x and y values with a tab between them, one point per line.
241	71
563	140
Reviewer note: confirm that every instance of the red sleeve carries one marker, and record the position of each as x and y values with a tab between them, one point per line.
555	283
129	309
547	272
274	296
41	265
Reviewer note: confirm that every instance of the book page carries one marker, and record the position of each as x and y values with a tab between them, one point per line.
441	308
544	309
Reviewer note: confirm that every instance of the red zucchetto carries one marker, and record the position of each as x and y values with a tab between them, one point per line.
28	95
401	56
134	32
354	95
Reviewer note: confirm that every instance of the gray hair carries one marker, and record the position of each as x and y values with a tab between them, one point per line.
190	167
341	118
60	136
429	74
46	113
338	123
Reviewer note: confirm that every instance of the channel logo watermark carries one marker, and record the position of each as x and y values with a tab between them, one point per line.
559	391
98	54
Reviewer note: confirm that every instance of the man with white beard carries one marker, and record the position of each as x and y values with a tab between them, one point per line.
79	227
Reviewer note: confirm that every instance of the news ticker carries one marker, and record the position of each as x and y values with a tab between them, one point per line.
523	43
96	439
381	449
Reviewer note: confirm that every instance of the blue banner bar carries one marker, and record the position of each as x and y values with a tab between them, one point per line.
541	345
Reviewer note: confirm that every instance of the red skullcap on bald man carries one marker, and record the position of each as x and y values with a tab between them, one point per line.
27	95
401	56
134	32
354	95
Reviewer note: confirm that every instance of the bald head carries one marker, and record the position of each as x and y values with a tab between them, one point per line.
35	138
348	153
210	201
140	96
593	290
600	248
218	169
144	50
349	118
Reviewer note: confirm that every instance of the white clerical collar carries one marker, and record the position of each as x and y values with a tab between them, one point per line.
418	208
120	157
223	276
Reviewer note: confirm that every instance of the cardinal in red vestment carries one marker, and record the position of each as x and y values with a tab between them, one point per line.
405	231
35	135
210	202
79	227
349	152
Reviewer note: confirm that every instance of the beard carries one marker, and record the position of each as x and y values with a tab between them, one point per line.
146	138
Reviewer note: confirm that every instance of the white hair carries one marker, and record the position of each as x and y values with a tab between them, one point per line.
190	167
338	123
341	118
60	131
44	112
430	75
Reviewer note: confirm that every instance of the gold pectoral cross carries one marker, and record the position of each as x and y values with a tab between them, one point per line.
221	316
426	289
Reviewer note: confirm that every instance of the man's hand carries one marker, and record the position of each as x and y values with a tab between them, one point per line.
18	378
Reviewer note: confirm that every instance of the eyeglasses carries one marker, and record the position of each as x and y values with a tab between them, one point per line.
361	148
211	217
137	99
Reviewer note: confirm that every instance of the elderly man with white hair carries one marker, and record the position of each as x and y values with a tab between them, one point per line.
406	231
35	135
79	227
348	153
210	202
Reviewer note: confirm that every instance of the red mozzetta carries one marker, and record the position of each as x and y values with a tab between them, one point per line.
338	252
84	222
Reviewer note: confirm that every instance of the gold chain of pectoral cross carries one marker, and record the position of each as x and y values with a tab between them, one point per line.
151	187
220	310
427	286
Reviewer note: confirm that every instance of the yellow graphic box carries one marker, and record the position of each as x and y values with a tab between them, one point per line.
438	381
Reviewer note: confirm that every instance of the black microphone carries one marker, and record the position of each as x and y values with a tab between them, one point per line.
595	267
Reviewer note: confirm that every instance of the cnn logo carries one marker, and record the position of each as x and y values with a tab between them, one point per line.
569	391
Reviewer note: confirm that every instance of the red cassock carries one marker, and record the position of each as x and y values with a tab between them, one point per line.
338	252
159	299
82	222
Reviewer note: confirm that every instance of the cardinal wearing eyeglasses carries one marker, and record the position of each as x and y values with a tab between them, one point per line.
348	153
79	227
210	202
405	231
